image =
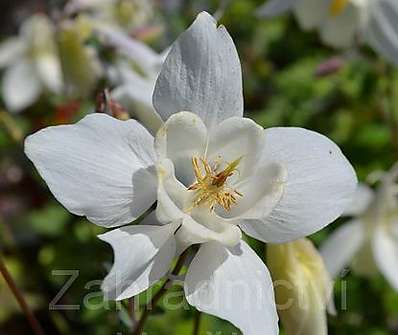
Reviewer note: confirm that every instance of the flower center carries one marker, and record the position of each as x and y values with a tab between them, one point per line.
337	7
210	185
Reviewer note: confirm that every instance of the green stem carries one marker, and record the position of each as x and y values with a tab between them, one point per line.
392	104
11	127
196	324
394	120
131	310
34	323
159	294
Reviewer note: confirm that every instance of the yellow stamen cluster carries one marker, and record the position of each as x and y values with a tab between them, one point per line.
210	187
337	7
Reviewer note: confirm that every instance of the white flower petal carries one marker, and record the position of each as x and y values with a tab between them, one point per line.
49	69
151	220
146	58
236	138
311	13
381	30
173	200
94	5
135	93
182	137
201	74
385	248
235	285
320	185
276	7
199	225
361	200
38	33
260	193
340	248
21	86
11	50
340	31
203	226
143	255
100	167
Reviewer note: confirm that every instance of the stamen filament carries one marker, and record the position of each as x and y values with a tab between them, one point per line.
210	187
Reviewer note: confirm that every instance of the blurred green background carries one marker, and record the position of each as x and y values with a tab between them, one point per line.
356	106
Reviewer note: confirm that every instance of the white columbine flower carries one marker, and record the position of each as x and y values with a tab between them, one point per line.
370	241
342	22
303	287
212	173
32	64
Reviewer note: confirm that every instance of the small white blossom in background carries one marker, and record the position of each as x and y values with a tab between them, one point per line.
134	74
31	63
212	174
369	242
344	23
303	287
124	15
80	63
47	58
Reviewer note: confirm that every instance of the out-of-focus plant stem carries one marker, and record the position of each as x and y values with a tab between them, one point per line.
393	109
132	311
34	323
159	294
7	234
10	126
196	323
222	6
389	94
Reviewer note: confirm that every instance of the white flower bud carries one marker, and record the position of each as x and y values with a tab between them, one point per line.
302	287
